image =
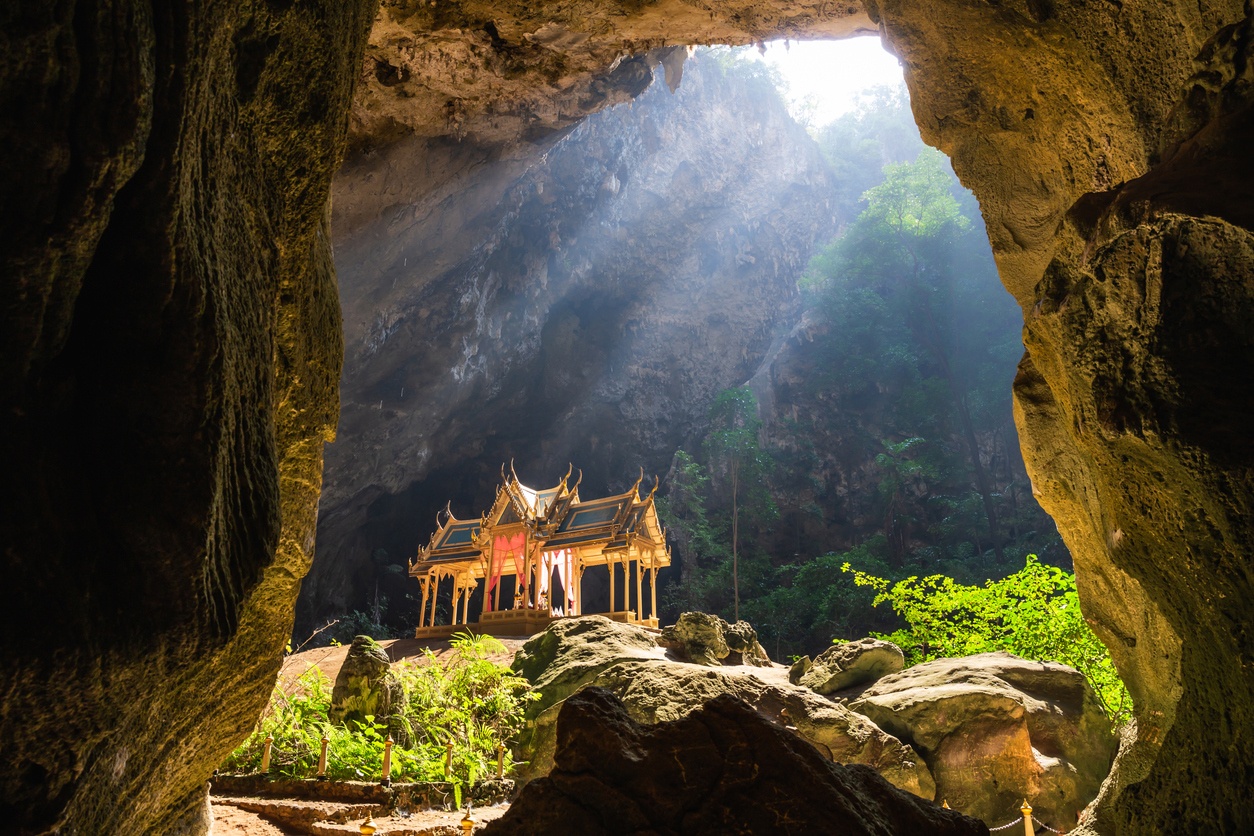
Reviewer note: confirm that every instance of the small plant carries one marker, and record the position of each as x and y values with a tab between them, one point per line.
470	701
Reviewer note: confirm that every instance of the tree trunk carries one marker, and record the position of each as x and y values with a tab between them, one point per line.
735	543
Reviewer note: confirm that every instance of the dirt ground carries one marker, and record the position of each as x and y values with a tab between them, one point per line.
231	820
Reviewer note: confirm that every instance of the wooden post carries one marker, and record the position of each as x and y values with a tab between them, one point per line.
1026	809
639	593
265	754
626	564
653	585
387	760
322	759
500	761
426	588
448	761
466	590
613	601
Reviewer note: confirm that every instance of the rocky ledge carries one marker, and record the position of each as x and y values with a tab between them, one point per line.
982	733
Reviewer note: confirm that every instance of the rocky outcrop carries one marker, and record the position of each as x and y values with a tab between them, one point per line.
721	769
995	729
509	71
581	303
593	651
850	664
697	637
361	686
705	639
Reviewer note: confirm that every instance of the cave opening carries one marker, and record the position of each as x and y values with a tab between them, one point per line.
587	300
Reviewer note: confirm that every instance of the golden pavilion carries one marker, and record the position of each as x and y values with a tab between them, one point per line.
540	543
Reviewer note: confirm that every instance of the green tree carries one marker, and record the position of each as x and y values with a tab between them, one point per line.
734	450
683	511
1033	613
905	248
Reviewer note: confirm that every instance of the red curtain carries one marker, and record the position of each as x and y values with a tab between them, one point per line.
502	549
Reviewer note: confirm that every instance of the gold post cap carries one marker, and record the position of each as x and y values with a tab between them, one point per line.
368	826
1026	809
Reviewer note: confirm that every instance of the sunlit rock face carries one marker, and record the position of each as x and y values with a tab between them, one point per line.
583	303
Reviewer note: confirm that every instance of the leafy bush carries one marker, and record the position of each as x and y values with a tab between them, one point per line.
470	701
1034	613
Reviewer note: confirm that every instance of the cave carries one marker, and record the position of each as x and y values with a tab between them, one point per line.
172	335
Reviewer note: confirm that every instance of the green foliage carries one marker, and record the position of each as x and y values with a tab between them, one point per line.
356	623
1033	613
470	701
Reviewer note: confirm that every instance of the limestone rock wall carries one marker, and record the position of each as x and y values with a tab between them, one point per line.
169	348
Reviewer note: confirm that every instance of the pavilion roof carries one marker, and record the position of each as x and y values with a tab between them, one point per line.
555	516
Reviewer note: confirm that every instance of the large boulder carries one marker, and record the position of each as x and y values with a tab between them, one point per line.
698	637
721	769
995	729
594	651
850	664
362	687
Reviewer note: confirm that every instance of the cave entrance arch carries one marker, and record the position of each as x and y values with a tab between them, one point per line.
195	375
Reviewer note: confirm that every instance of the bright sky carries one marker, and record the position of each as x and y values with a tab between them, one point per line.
831	74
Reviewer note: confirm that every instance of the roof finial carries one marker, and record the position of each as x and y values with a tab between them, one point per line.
635	487
579	480
513	472
656	482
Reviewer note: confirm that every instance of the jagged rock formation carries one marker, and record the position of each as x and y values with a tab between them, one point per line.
996	729
628	662
169	342
721	769
509	71
583	304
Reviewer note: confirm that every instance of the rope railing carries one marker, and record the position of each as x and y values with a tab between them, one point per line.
1027	821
